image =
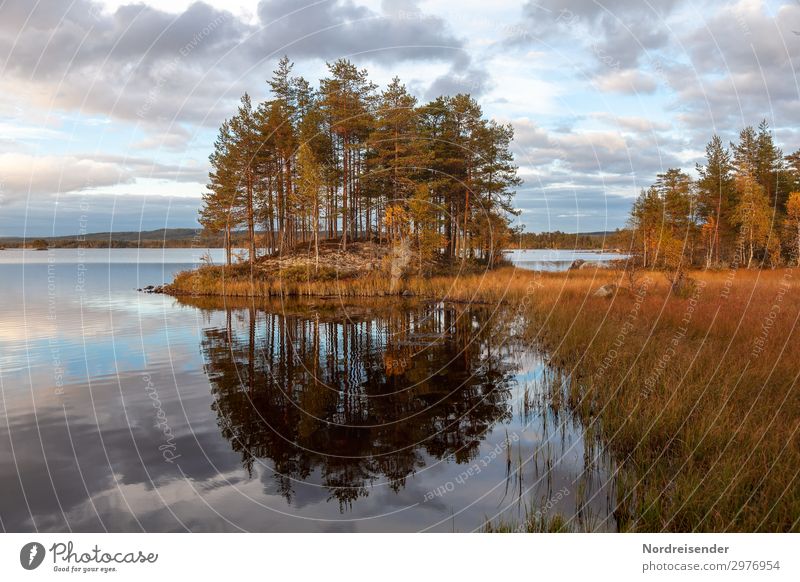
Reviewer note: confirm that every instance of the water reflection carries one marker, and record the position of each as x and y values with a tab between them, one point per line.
351	397
281	417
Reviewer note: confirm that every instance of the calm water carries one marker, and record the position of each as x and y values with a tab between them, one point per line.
557	259
123	411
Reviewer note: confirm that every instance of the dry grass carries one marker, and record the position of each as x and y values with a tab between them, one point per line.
695	396
462	283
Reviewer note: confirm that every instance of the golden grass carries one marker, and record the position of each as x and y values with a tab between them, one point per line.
696	396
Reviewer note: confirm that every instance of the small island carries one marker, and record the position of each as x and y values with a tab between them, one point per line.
350	185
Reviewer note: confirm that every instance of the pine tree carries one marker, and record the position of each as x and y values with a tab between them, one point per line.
395	154
793	171
770	168
746	152
646	222
346	97
716	198
307	197
246	151
439	174
220	210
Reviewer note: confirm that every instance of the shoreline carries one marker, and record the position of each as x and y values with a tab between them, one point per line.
666	383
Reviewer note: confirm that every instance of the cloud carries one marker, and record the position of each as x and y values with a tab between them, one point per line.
24	174
601	154
628	81
621	30
156	68
618	37
474	81
585	179
742	67
73	212
21	174
340	28
573	209
634	124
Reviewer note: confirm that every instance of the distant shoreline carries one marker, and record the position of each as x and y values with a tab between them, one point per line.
182	238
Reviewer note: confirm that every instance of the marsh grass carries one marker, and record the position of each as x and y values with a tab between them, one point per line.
532	522
694	396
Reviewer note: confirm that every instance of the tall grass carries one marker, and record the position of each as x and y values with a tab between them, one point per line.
695	396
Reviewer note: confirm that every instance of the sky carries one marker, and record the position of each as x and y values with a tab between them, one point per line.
108	110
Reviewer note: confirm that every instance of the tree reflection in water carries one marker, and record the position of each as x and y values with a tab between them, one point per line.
358	395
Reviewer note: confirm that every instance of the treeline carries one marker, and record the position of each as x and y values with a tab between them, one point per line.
348	162
564	240
73	243
158	238
743	210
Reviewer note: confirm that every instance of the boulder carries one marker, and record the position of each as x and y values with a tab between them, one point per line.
606	290
576	264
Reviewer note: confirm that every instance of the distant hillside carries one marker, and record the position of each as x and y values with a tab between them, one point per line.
617	239
189	237
162	237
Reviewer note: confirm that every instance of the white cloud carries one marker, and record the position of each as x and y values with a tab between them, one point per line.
21	174
627	81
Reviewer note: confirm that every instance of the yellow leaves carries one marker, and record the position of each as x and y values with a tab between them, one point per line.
709	229
793	206
396	220
672	250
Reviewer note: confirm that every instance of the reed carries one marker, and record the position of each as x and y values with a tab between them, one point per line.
695	396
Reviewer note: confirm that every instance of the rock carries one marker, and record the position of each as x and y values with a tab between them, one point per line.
401	258
407	293
606	290
589	265
152	289
576	264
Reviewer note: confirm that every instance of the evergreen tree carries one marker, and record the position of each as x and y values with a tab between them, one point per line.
646	222
715	199
346	97
438	178
246	152
307	197
770	168
220	210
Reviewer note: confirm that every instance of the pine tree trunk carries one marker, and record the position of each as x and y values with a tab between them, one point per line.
251	228
316	237
345	184
227	243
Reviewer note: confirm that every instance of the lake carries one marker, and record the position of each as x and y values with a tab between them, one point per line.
558	259
123	411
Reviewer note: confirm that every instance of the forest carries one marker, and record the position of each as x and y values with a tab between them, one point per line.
612	240
347	162
743	210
